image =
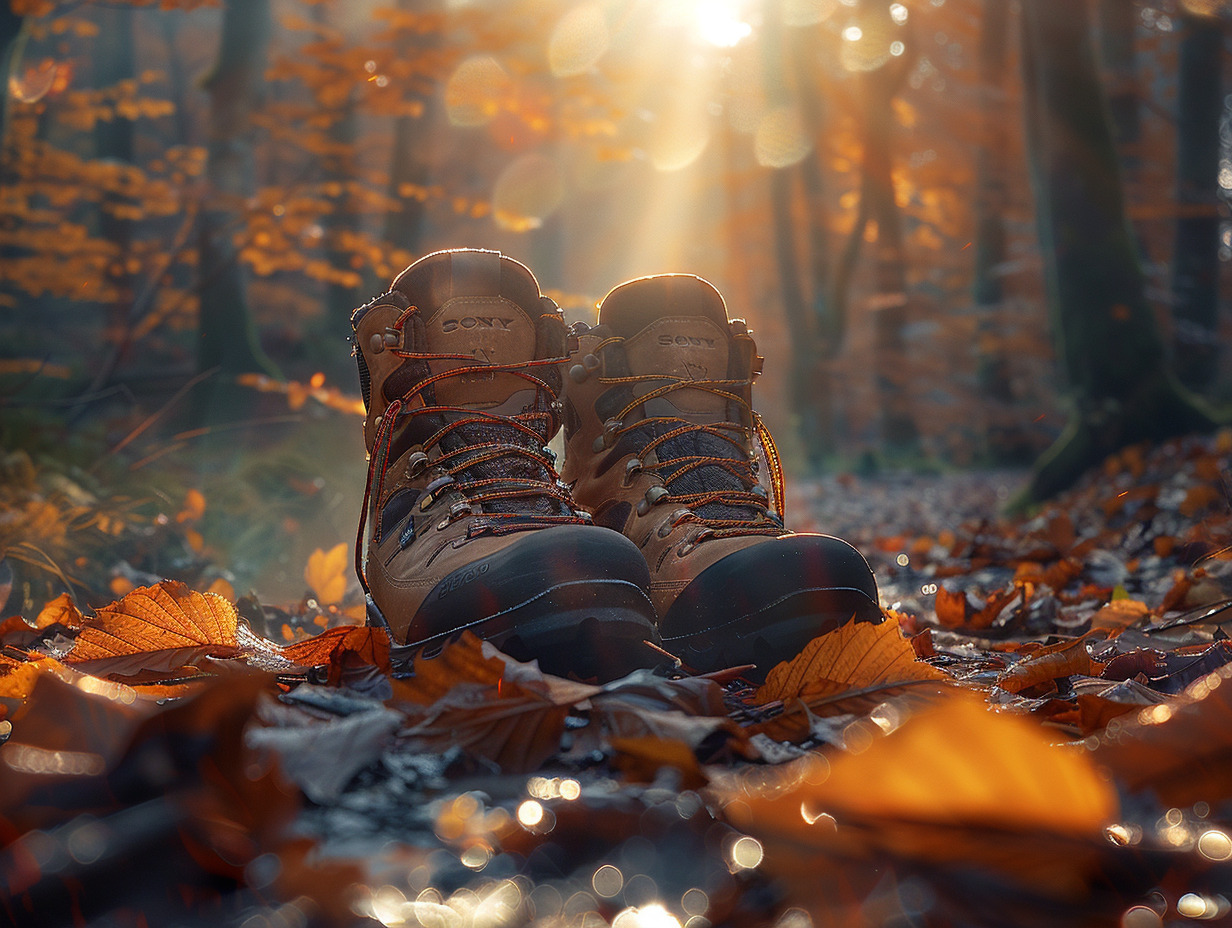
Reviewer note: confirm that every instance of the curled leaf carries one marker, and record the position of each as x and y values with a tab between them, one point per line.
340	646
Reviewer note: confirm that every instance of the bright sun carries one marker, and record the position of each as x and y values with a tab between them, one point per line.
719	23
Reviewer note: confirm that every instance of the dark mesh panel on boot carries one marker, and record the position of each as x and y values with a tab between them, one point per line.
506	467
709	478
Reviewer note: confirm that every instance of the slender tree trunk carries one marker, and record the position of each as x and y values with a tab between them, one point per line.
11	40
1117	23
809	382
113	142
1195	257
889	303
410	170
991	168
1110	348
227	337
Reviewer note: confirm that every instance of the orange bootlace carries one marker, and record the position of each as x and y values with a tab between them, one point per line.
735	433
477	490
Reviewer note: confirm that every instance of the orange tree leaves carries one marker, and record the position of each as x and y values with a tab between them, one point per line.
851	668
956	784
158	627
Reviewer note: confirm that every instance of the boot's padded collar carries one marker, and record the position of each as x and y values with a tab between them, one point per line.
633	305
435	279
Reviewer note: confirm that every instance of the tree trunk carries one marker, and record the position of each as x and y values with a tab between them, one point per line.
1117	23
991	168
1108	343
806	316
11	40
410	167
113	142
889	304
226	335
1195	257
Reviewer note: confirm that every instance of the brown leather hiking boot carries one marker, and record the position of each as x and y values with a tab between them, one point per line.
460	364
661	445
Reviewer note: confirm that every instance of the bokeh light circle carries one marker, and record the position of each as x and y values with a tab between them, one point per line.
780	139
527	192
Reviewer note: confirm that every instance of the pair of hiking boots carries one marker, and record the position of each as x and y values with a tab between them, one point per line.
658	532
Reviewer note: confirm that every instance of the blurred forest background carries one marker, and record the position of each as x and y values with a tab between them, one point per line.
955	227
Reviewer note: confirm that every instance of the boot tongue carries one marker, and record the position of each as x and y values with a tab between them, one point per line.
674	326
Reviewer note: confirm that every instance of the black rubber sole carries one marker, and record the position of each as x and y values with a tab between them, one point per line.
763	604
572	597
589	629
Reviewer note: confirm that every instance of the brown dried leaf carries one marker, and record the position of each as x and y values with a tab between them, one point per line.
63	610
1065	659
63	732
953	608
850	669
640	759
1182	750
472	696
343	646
160	627
1119	615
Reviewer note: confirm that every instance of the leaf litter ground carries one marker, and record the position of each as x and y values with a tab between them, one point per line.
1040	733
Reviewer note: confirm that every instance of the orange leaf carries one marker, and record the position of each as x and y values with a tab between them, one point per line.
1198	498
63	610
1064	659
855	655
326	573
341	645
953	609
194	507
1119	614
1180	749
160	627
16	630
956	784
850	669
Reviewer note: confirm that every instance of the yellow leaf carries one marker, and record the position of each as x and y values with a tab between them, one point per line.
955	785
850	669
855	655
326	573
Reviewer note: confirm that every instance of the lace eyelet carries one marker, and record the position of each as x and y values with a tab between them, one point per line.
632	469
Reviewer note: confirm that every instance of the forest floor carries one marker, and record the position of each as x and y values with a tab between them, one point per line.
205	734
